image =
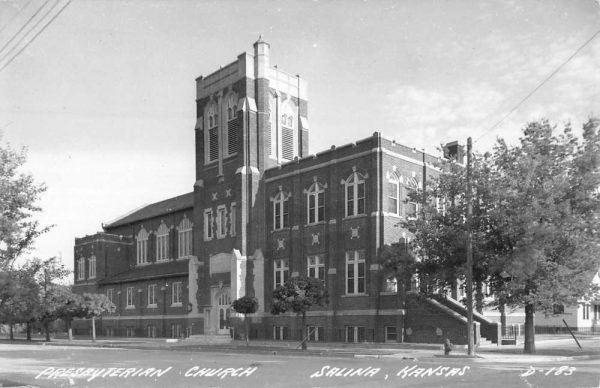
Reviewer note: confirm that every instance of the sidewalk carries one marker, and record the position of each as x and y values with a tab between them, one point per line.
548	349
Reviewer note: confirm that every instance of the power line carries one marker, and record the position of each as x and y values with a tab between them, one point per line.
559	68
28	32
24	25
36	35
15	17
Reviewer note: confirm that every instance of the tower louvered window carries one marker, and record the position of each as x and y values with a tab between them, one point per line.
213	143
287	143
232	136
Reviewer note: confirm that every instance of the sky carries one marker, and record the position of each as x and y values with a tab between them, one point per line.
104	97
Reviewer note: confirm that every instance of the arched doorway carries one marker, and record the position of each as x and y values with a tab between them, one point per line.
224	307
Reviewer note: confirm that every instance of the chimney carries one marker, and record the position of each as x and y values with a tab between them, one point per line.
455	151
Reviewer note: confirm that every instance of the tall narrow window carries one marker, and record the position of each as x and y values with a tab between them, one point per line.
208	224
152	295
393	194
221	221
130	297
316	203
355	272
109	295
355	194
288	148
81	268
281	271
412	202
316	267
176	293
162	243
233	219
232	125
281	211
142	245
212	134
92	267
185	238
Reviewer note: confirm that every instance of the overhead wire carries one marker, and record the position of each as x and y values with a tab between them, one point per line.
36	35
552	74
24	25
41	19
16	16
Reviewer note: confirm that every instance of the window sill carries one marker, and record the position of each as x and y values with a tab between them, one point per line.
354	217
184	257
285	228
176	304
163	261
208	238
354	295
152	306
221	237
129	307
143	264
315	224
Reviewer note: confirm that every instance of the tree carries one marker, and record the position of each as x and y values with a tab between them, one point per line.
299	294
21	300
94	306
53	296
545	222
399	263
535	221
18	196
246	305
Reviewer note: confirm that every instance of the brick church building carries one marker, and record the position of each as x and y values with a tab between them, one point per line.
262	210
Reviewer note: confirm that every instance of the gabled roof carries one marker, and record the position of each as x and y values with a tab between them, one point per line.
150	271
167	206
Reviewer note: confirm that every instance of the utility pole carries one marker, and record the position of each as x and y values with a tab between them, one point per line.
470	333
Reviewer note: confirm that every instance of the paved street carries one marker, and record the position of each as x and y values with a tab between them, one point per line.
195	366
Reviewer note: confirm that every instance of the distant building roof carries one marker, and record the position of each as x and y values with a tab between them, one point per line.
154	210
150	271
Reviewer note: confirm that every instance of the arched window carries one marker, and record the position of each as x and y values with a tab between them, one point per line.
142	246
394	190
281	211
355	194
316	203
162	243
412	204
288	132
232	125
212	136
185	238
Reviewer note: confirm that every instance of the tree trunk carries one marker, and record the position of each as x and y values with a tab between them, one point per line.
70	329
93	328
502	309
11	331
529	329
47	330
247	326
479	297
28	331
304	347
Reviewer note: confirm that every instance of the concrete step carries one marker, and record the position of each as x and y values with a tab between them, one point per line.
207	339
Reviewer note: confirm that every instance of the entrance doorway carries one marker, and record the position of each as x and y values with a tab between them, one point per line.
224	306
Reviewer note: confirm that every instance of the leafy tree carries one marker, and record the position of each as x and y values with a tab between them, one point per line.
246	305
53	295
535	221
545	223
299	294
18	196
93	306
399	263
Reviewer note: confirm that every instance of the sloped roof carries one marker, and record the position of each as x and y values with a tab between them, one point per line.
154	210
150	271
